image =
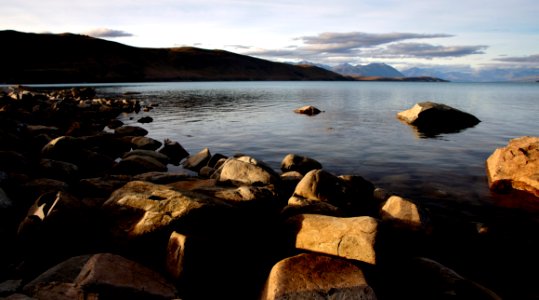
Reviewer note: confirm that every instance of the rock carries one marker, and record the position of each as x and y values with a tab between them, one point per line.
515	166
40	186
10	286
317	208
60	170
308	110
18	296
114	123
141	210
302	164
318	185
432	119
108	144
174	151
13	161
65	148
402	213
431	280
197	161
314	276
100	276
241	172
146	119
137	164
57	224
249	196
352	238
162	158
116	277
63	272
5	201
162	177
146	143
350	193
102	186
127	130
74	150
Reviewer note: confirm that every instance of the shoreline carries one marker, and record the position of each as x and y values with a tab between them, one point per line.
458	243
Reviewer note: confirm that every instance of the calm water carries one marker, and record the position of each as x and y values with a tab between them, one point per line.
358	132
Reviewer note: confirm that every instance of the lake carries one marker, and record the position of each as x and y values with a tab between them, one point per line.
357	133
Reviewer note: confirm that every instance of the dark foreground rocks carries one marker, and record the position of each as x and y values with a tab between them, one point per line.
431	119
89	212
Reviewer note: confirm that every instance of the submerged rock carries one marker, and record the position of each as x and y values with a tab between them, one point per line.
431	119
308	110
515	166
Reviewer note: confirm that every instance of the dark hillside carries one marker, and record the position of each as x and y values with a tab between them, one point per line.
70	58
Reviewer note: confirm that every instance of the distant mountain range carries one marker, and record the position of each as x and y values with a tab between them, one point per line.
72	58
444	73
480	75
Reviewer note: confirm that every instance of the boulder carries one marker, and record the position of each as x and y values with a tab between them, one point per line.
162	158
174	151
146	119
162	177
5	201
137	164
432	119
515	166
197	161
403	213
352	238
60	170
244	171
302	164
317	185
102	186
429	279
315	276
127	130
100	276
308	110
249	196
116	277
351	194
57	224
146	143
143	210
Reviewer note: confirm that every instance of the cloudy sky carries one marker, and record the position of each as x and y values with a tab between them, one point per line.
477	33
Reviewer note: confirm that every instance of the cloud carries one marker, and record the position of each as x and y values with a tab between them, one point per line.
330	47
107	33
423	50
335	42
531	59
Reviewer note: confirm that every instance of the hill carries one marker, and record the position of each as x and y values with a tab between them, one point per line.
72	58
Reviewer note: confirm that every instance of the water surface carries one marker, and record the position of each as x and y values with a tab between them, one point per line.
357	133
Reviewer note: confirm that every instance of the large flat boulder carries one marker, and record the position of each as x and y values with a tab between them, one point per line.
141	210
315	276
515	166
431	118
352	238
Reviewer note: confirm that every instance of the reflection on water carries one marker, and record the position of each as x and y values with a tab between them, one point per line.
358	133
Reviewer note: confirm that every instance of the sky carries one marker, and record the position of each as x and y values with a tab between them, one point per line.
413	33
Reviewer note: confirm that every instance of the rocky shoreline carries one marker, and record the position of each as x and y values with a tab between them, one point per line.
92	213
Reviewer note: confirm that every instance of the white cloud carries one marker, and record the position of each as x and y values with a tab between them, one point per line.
107	33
